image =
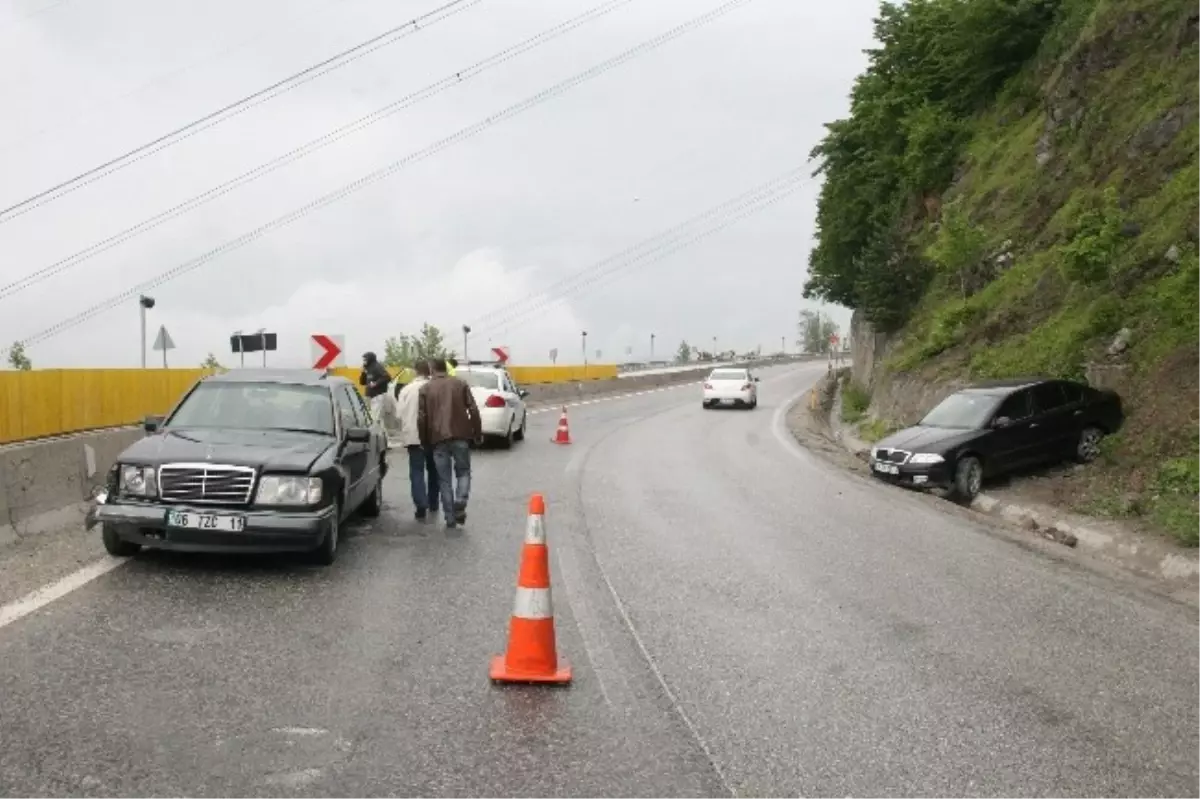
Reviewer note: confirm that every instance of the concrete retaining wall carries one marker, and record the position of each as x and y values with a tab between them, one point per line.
46	480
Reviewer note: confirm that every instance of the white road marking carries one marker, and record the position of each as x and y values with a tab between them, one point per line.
20	608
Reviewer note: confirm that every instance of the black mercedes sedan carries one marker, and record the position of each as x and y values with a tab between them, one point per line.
248	461
994	428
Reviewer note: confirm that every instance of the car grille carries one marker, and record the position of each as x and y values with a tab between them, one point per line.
892	455
205	483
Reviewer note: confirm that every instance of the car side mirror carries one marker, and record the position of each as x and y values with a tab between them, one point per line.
1001	422
756	380
151	424
522	393
358	435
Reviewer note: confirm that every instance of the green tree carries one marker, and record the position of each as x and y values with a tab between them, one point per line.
939	62
959	246
684	355
401	352
17	358
211	362
814	331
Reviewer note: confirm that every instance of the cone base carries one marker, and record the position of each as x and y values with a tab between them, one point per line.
556	441
499	672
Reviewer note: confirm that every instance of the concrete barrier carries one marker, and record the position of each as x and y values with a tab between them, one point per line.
45	483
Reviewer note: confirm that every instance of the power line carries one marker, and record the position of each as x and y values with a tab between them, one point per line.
236	108
86	111
384	172
595	275
310	147
680	230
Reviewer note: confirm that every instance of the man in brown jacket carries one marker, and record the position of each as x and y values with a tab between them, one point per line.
448	421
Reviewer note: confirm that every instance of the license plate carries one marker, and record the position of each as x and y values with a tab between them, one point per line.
190	520
887	468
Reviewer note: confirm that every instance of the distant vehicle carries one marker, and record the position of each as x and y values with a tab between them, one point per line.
501	403
994	428
248	461
731	386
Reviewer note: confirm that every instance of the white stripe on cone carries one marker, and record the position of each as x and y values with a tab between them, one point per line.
535	530
533	603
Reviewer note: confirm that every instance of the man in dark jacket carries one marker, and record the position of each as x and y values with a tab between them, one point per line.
374	377
448	421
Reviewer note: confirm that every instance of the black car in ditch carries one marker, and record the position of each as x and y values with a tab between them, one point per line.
248	461
994	428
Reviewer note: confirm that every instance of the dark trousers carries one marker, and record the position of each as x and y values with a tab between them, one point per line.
422	474
453	460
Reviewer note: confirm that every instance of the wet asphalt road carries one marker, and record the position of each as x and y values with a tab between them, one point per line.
741	618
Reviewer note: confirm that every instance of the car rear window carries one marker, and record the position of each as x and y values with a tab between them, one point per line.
728	374
256	406
488	380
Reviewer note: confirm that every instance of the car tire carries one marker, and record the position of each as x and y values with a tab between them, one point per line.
706	405
373	505
520	434
752	404
115	545
326	553
1087	449
968	478
506	441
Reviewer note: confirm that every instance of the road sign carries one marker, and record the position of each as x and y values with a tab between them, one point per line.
163	340
253	342
328	350
501	354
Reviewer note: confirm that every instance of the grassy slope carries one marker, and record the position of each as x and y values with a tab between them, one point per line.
1125	72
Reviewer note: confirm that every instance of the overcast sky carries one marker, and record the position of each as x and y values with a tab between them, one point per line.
484	225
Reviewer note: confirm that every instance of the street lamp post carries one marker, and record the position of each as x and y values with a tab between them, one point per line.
144	304
715	349
651	346
262	341
583	336
466	332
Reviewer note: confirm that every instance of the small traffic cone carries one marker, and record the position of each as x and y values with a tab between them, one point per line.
563	434
532	655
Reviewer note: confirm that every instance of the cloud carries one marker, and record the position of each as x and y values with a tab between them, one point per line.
493	218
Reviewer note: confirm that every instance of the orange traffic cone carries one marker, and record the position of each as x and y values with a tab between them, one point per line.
532	655
563	434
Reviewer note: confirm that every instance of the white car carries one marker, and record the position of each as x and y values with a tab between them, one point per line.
731	386
501	403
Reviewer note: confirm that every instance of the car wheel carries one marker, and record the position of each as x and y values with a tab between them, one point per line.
506	441
968	478
520	434
115	545
752	404
1088	448
706	405
326	553
374	504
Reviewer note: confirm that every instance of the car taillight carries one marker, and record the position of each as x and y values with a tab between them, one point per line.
494	401
747	387
708	386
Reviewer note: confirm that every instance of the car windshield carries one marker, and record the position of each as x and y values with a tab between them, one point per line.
257	406
966	410
488	380
728	374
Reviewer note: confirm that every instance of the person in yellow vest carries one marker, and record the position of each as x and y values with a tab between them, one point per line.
451	366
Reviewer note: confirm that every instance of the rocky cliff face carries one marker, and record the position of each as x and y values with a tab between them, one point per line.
1081	188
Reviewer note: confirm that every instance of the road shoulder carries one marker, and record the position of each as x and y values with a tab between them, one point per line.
1101	545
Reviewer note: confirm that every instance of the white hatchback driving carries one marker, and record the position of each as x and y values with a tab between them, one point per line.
501	403
731	386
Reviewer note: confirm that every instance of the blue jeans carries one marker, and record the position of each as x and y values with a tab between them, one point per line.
453	461
420	472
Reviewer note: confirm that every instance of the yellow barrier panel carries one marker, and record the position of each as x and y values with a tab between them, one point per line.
52	402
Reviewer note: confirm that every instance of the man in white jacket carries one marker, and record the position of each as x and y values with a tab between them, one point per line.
421	472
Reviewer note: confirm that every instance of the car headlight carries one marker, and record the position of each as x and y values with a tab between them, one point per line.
138	481
285	490
926	457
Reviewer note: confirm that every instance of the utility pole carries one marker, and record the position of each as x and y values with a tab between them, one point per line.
466	332
652	346
584	338
144	304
